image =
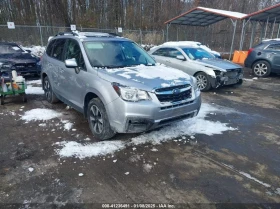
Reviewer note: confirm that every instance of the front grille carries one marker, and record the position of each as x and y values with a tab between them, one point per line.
174	94
25	66
172	88
176	105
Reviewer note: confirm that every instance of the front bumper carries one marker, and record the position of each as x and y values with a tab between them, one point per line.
137	117
228	78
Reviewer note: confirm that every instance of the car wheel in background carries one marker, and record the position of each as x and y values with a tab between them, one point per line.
98	120
49	95
261	69
2	98
203	82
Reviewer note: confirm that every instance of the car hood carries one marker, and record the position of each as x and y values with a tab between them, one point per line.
144	77
218	64
19	58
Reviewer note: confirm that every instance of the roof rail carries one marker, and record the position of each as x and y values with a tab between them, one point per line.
74	33
88	34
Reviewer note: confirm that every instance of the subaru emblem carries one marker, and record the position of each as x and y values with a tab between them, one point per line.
176	91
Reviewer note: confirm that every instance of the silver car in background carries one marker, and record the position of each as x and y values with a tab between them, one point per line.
116	85
209	71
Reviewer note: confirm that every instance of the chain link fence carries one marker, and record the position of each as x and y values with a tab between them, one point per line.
218	40
28	35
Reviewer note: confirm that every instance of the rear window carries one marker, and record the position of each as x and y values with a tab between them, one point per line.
57	51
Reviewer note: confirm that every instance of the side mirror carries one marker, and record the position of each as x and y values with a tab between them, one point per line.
29	51
181	57
71	63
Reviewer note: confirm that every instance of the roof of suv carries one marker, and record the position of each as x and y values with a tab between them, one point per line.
90	35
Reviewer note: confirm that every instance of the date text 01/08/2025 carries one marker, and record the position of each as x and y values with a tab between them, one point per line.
141	205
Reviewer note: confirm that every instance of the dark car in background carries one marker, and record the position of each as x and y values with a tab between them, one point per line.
14	57
264	58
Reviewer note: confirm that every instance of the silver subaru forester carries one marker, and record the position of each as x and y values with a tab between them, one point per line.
116	84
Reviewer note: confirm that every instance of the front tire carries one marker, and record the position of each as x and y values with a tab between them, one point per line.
49	95
261	69
98	120
203	82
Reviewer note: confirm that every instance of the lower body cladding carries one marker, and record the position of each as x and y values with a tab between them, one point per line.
224	80
129	117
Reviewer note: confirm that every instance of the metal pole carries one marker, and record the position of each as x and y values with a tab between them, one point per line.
278	30
241	38
262	30
167	29
40	29
140	36
233	36
177	33
266	27
273	28
253	34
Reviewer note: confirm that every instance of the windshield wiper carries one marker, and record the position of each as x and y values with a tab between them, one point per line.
109	66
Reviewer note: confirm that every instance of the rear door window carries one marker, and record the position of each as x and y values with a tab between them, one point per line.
50	47
161	52
274	47
58	47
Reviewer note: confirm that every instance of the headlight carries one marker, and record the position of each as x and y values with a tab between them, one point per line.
130	94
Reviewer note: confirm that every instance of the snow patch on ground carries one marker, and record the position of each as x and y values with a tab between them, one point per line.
34	90
147	168
197	125
38	82
40	114
254	179
75	149
68	126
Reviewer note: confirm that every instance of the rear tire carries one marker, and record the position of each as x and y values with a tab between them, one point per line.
261	69
203	82
2	100
49	95
98	120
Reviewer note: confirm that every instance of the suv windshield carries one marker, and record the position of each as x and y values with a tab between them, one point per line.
116	54
10	49
197	53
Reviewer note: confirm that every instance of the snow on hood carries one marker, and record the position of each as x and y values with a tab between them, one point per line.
218	64
146	77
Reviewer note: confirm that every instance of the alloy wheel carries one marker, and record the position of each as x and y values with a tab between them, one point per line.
201	81
260	69
47	89
96	119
